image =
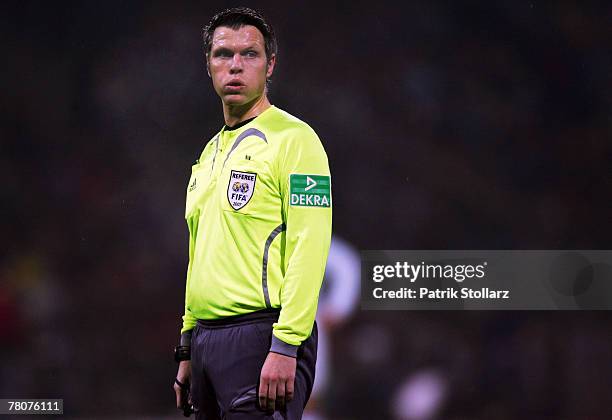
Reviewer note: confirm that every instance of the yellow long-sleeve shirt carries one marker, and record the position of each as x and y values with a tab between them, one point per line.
259	215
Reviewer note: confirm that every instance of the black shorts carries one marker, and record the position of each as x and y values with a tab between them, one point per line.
226	360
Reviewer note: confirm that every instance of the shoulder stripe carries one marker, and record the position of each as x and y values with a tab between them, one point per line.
242	136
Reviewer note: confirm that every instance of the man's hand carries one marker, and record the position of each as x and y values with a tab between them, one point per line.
276	381
183	399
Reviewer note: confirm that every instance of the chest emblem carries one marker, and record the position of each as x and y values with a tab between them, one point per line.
240	188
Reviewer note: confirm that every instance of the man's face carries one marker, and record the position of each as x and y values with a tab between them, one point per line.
237	64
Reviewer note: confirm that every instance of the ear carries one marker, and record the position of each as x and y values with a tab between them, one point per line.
270	66
207	66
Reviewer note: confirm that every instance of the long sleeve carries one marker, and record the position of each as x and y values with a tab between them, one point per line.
305	186
189	320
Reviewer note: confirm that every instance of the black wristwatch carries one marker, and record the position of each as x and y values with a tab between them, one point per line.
182	353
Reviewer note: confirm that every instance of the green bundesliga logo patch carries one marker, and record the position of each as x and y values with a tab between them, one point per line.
309	190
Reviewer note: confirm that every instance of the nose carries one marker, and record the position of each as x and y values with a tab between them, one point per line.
236	64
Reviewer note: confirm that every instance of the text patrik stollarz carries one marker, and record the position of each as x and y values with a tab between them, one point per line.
447	293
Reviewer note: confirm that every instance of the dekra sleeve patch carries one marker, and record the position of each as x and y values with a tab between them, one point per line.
309	190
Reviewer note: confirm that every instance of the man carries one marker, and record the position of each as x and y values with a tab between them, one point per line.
259	216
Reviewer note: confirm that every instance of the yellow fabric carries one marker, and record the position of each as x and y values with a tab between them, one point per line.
226	275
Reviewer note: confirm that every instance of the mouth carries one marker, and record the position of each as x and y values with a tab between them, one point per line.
234	86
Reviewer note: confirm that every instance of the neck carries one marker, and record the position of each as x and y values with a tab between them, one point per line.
235	114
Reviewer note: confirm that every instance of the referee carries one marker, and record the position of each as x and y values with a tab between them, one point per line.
259	214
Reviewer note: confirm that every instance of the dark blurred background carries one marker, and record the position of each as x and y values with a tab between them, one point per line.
448	125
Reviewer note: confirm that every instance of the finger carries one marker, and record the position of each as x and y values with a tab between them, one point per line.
263	393
178	391
289	386
272	395
280	395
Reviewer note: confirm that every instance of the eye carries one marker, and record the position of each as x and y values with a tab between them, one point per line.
222	53
251	54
